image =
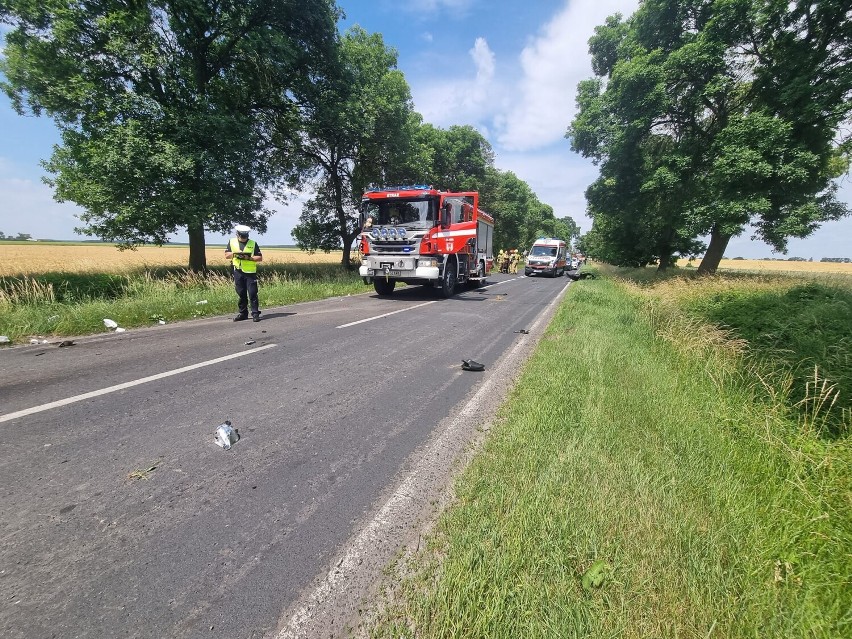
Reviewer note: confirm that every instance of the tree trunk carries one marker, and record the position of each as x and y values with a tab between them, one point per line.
346	260
715	252
665	262
197	248
341	220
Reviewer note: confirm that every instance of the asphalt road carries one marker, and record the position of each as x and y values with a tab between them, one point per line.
120	516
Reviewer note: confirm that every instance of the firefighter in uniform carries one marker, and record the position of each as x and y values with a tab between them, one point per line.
244	255
500	257
513	261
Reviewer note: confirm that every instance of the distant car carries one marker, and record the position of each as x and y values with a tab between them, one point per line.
575	264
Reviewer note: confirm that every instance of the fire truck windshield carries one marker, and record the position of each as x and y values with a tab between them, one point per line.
414	213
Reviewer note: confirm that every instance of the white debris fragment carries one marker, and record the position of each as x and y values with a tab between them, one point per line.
4	339
200	302
226	435
161	321
119	329
110	323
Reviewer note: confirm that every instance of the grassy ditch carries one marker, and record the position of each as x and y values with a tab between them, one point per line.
639	450
61	304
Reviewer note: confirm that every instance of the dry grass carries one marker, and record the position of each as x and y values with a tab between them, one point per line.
778	265
105	258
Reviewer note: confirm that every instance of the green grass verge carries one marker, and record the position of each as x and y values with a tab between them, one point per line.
657	463
65	304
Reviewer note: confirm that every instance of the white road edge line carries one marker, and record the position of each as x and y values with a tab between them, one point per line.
370	319
403	498
118	387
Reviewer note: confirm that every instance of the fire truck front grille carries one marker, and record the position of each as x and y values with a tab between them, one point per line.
390	247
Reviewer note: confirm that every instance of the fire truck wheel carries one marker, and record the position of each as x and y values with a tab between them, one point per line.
449	280
384	287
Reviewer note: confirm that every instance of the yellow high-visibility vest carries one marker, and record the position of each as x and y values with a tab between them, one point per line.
246	266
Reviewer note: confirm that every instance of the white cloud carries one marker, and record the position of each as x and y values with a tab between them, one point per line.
553	63
466	98
483	60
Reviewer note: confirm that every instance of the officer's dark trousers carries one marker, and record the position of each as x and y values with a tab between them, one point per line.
246	286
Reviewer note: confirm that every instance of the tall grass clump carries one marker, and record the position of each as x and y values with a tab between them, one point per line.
636	449
797	333
62	304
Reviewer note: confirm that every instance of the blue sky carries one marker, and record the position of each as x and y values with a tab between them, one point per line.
508	68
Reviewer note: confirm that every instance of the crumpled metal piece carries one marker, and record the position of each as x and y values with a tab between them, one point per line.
226	435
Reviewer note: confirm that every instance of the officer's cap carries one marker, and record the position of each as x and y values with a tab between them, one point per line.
242	229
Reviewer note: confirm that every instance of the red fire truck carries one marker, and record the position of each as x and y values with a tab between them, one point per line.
420	235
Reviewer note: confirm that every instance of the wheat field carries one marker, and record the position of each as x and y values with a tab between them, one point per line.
776	266
35	258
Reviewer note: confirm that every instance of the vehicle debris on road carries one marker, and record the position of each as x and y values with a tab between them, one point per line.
226	435
140	473
471	365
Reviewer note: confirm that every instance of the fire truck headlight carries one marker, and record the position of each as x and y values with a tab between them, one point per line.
428	261
384	234
375	234
401	232
392	234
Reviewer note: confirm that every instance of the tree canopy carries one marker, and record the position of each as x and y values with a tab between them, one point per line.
707	116
164	107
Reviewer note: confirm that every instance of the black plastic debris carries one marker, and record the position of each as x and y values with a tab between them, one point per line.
581	276
523	331
67	342
471	365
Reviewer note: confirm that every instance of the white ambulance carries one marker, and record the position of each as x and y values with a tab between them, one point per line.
547	257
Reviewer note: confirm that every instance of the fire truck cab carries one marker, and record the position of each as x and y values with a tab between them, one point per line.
420	235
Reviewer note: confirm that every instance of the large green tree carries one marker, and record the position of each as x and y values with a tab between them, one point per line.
358	128
710	115
165	106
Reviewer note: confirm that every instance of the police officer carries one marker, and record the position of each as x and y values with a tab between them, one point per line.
244	255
